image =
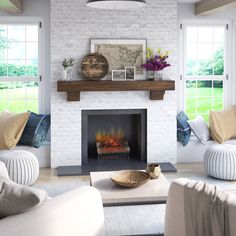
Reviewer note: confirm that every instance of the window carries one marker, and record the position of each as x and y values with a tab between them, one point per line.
204	68
19	66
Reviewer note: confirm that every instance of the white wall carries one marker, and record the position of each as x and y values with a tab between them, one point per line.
186	12
39	8
72	26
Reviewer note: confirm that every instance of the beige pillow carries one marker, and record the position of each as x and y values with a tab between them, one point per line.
223	124
11	128
16	198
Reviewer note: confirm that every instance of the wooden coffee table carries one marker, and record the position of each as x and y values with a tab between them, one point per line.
155	191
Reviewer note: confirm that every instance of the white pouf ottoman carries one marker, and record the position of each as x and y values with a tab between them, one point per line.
220	161
22	166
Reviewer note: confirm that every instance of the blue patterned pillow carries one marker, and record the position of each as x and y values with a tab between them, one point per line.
36	130
183	128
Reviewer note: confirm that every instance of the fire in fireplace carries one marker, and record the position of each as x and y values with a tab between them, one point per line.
112	144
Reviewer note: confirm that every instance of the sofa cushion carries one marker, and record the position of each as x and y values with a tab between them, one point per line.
36	130
183	128
223	124
11	126
3	172
200	129
15	198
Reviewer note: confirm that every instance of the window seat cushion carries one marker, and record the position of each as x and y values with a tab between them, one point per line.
195	150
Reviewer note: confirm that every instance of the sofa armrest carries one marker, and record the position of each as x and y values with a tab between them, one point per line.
78	212
174	217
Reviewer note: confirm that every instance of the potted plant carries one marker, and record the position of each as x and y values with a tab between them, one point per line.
67	66
155	64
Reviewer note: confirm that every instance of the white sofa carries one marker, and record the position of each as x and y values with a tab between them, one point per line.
194	151
175	219
75	213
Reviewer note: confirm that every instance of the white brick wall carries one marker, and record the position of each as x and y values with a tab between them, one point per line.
72	26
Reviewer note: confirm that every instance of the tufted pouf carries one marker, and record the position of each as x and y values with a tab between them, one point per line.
22	166
220	161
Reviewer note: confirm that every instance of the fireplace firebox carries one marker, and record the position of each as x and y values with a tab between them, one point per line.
114	134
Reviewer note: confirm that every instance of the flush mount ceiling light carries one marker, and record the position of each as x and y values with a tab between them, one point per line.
116	4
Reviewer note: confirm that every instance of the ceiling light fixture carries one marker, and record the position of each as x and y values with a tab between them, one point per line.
116	4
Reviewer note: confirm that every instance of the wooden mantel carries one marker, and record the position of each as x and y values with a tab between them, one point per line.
156	88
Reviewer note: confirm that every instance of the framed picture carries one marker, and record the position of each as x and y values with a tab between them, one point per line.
130	72
118	75
121	53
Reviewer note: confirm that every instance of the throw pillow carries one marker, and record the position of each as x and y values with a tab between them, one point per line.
223	124
200	128
36	130
11	127
183	128
15	198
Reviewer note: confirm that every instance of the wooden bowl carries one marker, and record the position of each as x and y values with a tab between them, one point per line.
130	178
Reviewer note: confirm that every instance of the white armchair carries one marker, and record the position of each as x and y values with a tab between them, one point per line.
175	218
78	212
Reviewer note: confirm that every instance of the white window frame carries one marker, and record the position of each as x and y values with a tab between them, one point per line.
41	72
228	75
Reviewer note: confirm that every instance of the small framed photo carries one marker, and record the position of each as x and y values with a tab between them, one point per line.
118	75
130	72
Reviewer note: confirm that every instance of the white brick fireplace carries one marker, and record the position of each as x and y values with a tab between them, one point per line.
72	26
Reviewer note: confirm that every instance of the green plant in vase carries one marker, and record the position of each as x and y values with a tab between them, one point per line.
67	66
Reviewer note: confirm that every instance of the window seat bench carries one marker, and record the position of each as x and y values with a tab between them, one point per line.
195	150
43	153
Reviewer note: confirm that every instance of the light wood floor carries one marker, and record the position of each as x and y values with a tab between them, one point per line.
184	170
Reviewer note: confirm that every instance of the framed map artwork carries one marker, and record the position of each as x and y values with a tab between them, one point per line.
121	53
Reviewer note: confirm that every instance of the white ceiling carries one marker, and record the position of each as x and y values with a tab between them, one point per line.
188	1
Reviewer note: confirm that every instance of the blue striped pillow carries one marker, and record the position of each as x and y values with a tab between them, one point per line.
36	130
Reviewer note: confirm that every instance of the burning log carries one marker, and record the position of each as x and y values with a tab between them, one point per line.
112	146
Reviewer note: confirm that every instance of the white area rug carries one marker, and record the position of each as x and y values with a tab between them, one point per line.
131	220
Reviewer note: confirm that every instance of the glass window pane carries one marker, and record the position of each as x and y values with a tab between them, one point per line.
3	68
218	104
206	55
16	91
191	88
204	88
191	105
3	42
208	95
3	31
218	88
205	34
16	68
19	49
218	59
32	94
19	97
32	105
16	50
205	51
32	33
219	34
16	105
32	51
204	105
191	98
32	68
16	33
191	34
